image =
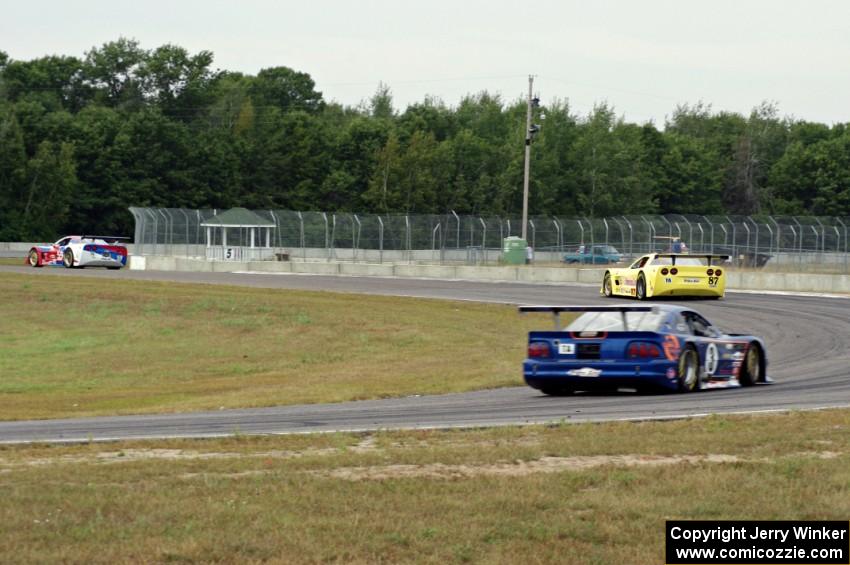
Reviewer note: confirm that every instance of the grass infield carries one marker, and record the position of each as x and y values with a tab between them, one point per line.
573	493
75	346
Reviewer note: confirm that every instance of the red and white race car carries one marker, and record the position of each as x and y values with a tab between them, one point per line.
81	251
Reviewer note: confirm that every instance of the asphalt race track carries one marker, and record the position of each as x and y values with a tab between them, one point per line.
808	341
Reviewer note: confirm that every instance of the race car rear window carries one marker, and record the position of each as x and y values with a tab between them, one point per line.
613	322
680	261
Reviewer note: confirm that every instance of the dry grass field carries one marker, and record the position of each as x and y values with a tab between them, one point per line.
578	493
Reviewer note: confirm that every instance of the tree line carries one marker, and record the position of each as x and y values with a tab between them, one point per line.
82	139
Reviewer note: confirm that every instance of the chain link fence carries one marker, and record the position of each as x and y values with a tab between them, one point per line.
766	242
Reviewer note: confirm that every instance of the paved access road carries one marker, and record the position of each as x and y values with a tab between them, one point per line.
807	339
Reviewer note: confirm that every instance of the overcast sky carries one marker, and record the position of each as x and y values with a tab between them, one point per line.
643	57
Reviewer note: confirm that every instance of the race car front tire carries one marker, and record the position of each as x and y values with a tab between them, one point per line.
606	285
751	368
68	259
640	287
34	259
688	373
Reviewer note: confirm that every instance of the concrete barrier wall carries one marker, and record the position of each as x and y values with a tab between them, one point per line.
553	275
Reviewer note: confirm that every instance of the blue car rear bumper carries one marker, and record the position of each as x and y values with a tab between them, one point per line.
594	375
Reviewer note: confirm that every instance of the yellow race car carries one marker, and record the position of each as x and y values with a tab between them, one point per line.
668	274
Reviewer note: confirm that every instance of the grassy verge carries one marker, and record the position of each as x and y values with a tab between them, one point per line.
13	261
589	493
77	346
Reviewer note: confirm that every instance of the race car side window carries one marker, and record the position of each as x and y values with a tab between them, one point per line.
700	326
63	242
639	263
678	324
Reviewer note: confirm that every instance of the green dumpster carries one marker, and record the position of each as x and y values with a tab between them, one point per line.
513	250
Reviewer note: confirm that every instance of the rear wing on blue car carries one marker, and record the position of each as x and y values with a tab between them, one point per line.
556	311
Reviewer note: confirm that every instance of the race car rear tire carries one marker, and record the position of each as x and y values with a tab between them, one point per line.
607	290
688	372
640	287
34	259
751	368
557	390
68	259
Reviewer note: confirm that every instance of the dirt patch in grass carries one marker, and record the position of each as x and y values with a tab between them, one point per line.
518	468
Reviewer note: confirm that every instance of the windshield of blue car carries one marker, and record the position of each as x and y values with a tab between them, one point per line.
613	322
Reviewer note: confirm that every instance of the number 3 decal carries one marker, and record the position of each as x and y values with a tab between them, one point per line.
711	359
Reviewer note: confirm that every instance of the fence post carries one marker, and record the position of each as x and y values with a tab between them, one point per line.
734	236
800	248
669	227
407	237
778	234
457	240
138	231
483	238
186	216
631	236
533	234
690	230
558	232
380	240
332	248
757	237
746	227
592	242
327	235
167	230
822	239
301	236
845	242
355	241
561	235
770	245
711	225
155	229
651	232
604	221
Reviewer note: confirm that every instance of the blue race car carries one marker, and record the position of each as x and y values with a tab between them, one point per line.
664	347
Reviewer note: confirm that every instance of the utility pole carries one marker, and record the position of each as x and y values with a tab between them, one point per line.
529	131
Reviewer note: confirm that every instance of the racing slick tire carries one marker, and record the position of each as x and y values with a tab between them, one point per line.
33	259
607	290
68	259
640	287
113	268
751	368
557	391
687	378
